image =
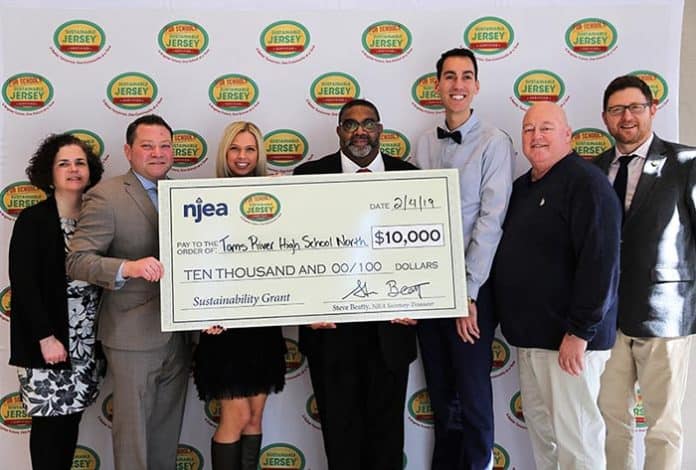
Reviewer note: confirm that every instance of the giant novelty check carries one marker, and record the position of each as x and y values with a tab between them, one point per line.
302	249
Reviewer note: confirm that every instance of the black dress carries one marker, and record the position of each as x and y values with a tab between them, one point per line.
240	362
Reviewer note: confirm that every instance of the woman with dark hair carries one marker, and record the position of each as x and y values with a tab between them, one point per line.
239	366
52	340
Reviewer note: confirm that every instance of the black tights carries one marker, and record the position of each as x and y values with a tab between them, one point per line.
52	441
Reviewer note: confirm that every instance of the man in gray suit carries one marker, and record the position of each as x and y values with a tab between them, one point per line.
656	184
116	246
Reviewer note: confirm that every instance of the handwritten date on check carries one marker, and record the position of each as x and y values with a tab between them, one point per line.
295	250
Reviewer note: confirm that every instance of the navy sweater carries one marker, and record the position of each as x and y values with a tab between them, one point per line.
557	266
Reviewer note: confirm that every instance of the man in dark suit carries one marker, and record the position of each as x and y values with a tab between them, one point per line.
116	246
656	184
359	371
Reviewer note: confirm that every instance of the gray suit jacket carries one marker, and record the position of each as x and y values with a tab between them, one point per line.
117	223
657	287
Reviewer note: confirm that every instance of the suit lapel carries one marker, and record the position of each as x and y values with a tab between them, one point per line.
651	171
137	193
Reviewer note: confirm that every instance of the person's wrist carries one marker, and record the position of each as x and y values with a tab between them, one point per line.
471	300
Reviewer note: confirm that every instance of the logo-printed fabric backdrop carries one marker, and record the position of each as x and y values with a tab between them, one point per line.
201	66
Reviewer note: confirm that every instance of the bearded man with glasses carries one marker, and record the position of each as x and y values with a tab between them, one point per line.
655	181
359	371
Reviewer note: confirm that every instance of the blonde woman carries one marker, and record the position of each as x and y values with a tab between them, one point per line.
239	366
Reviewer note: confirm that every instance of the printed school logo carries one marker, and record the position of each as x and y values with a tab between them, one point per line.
590	142
419	409
294	359
132	91
490	38
285	42
85	459
13	417
79	42
386	41
332	90
211	409
91	139
514	414
183	41
285	148
188	458
657	84
502	362
281	456
591	39
107	411
425	96
233	94
27	94
190	150
18	196
639	412
5	303
394	144
311	414
259	207
539	85
501	458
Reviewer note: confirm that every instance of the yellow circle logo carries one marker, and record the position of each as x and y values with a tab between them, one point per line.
91	139
501	356
501	458
424	93
183	40
590	143
260	207
591	37
420	409
312	410
27	92
233	92
131	91
489	35
285	147
85	459
281	456
539	85
657	84
639	411
516	406
18	196
285	39
394	144
5	302
386	40
79	39
189	149
294	359
188	458
12	413
334	89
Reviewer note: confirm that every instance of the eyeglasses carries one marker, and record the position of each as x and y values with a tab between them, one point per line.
351	125
634	108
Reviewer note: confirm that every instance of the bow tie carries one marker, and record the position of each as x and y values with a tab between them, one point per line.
443	134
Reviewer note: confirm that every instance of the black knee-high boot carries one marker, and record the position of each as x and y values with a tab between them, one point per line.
251	446
225	456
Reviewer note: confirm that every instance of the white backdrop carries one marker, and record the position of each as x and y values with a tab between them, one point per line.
50	85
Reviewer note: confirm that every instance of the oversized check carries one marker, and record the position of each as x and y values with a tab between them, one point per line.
302	249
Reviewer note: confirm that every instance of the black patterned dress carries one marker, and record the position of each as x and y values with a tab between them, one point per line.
47	392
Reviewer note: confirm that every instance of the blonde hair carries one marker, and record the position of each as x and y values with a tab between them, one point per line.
222	170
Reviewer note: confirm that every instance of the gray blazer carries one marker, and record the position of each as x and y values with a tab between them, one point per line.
118	222
657	287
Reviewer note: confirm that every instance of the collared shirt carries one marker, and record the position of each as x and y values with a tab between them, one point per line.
485	160
349	166
635	168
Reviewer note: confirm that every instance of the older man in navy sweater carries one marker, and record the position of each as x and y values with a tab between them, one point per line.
556	278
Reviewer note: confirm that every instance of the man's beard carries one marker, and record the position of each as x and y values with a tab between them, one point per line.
360	151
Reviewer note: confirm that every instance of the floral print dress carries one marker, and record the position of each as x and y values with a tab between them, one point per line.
47	392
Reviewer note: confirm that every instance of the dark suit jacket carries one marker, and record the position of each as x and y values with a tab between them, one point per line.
657	288
37	276
396	342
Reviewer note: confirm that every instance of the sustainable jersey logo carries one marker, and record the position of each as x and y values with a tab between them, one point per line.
285	147
16	197
183	40
591	38
233	92
424	93
260	207
199	209
285	39
5	303
188	458
590	142
12	413
131	91
657	84
420	409
27	93
79	39
294	359
387	41
189	148
537	86
85	458
489	36
394	144
334	89
281	456
91	139
501	458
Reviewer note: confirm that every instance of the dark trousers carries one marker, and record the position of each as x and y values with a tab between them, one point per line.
361	405
52	441
459	385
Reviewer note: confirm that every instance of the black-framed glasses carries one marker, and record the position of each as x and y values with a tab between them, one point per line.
634	108
351	125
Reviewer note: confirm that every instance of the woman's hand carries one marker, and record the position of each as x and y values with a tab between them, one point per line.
53	350
214	330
